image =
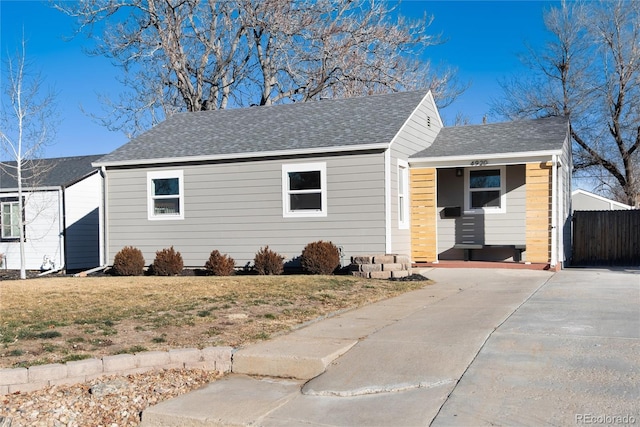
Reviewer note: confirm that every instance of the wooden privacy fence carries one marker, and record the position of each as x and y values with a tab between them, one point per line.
606	238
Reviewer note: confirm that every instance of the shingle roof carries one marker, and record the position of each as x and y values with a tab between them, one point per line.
260	130
545	134
61	171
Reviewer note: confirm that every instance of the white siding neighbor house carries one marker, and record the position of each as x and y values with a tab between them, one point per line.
61	214
358	172
582	200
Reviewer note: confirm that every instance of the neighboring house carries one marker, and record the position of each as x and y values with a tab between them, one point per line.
62	198
357	172
582	200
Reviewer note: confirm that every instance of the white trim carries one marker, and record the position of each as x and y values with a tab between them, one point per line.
503	194
388	247
240	156
2	224
491	159
403	205
286	201
151	215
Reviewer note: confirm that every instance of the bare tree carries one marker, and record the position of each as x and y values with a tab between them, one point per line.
590	73
28	119
192	55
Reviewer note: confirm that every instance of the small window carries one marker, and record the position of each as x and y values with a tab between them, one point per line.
403	195
10	220
485	190
166	195
304	190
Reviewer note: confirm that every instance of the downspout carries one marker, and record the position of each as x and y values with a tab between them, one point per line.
554	214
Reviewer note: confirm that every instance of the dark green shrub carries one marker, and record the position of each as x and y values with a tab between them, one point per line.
320	258
268	262
128	262
168	262
219	264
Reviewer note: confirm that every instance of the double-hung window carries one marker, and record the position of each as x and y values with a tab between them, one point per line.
485	190
10	219
304	190
403	194
165	192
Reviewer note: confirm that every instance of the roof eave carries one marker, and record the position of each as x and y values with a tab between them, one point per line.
244	156
493	159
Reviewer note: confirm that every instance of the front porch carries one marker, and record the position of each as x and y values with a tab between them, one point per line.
502	211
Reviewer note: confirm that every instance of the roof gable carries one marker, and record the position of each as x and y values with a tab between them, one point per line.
315	125
56	172
522	136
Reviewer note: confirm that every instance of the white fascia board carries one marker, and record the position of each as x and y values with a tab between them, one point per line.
241	156
492	159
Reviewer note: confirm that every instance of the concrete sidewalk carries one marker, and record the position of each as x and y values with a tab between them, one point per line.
424	357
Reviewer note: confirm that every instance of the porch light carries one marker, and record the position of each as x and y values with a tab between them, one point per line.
458	171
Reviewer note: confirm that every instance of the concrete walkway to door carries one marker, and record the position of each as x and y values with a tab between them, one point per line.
480	347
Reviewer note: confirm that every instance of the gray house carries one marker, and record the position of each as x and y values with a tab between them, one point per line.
62	198
283	176
351	171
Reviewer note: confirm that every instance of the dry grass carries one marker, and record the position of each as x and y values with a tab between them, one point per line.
58	319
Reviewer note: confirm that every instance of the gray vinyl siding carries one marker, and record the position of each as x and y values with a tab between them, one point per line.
417	134
498	228
236	208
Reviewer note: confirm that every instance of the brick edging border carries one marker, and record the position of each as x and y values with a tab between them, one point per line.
37	377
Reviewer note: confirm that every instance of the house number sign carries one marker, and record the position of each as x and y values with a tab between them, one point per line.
479	163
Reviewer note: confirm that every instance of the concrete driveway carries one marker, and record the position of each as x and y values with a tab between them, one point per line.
570	355
480	347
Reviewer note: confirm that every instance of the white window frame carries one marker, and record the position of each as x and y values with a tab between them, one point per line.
151	176
12	203
286	192
467	192
403	195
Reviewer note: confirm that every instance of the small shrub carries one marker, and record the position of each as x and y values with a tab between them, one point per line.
168	262
219	264
268	262
128	262
320	258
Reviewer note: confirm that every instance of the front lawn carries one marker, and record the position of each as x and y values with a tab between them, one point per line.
58	319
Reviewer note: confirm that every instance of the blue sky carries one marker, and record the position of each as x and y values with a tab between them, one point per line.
483	40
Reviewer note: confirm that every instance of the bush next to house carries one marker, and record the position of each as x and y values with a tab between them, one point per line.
268	262
219	264
168	262
320	258
128	262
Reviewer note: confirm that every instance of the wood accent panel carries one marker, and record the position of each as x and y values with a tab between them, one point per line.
538	204
424	246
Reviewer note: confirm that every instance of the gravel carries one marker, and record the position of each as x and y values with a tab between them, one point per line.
109	401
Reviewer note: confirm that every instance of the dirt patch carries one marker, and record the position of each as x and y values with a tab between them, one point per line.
55	319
